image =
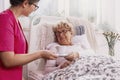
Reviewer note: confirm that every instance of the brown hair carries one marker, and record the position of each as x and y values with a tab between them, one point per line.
18	2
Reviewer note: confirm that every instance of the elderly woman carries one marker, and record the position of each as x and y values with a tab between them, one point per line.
63	47
87	67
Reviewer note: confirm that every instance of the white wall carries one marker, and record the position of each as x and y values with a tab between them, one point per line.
4	4
108	12
47	7
1	5
117	15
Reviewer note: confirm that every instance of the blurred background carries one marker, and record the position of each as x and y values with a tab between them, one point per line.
102	13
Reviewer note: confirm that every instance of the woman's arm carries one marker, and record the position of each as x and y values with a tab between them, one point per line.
10	59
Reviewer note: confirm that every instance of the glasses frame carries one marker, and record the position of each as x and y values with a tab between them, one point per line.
63	31
36	6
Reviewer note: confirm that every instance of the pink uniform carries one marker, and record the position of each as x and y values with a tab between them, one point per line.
11	39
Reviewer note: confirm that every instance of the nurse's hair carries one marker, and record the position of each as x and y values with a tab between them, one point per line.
18	2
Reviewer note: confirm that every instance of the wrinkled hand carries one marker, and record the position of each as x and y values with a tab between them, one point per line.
46	54
72	56
65	64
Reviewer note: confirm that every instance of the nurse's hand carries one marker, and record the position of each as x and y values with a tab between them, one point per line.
46	54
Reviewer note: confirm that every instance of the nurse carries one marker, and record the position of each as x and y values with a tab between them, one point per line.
13	45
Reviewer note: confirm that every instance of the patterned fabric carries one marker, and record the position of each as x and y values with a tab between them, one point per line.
88	68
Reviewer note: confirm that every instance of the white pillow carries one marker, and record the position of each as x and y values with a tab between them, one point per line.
82	40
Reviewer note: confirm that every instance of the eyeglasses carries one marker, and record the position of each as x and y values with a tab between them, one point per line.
36	6
63	31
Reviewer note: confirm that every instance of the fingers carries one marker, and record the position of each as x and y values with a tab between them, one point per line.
77	55
48	55
70	57
52	56
65	64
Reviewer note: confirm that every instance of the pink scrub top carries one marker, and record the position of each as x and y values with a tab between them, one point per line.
11	39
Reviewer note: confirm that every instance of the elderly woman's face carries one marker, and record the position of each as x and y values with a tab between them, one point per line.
64	37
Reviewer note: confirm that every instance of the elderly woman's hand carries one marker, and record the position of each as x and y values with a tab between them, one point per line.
46	54
72	56
65	64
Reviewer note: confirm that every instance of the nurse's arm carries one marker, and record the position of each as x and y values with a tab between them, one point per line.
10	59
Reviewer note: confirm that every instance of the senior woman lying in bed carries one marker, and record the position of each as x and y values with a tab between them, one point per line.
63	47
70	67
